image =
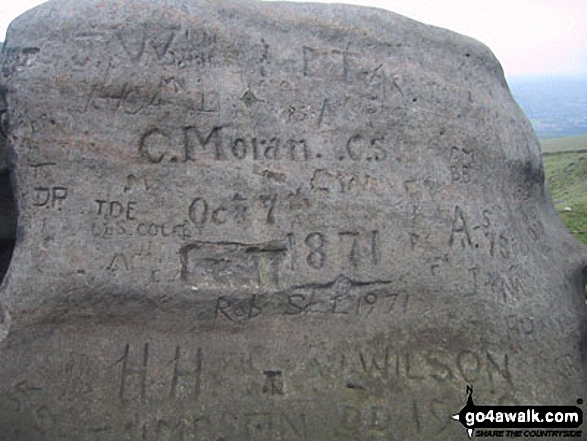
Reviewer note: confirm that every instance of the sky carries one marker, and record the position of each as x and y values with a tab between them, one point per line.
529	37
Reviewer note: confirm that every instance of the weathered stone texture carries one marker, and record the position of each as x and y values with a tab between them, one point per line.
263	221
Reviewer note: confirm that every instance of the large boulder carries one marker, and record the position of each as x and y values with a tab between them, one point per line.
273	221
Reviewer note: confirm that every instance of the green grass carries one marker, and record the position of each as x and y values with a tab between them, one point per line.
566	173
565	167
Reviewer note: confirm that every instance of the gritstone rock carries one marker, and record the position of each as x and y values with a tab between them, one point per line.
266	221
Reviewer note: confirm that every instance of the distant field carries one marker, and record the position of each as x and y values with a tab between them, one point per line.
556	105
566	144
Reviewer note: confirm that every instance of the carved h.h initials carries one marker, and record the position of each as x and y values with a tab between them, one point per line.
194	375
128	372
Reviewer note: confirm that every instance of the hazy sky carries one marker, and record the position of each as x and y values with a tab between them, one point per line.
527	36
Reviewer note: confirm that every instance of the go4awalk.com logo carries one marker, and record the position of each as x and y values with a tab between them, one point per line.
520	421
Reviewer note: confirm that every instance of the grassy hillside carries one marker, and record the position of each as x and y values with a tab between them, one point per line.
566	173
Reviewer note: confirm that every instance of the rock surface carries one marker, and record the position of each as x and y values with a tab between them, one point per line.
265	221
